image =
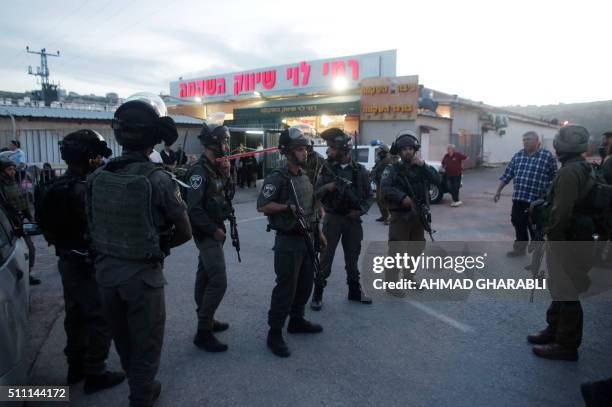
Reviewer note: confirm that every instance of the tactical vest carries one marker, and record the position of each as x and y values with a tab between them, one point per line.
417	180
120	212
14	196
216	187
285	221
342	201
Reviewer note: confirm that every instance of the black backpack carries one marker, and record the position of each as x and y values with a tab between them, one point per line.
53	202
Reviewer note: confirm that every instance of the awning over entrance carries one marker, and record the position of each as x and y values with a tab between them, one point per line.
275	110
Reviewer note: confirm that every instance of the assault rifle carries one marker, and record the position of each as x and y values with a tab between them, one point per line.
345	188
232	221
537	245
421	206
304	230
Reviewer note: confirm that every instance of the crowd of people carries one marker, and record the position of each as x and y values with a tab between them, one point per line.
112	270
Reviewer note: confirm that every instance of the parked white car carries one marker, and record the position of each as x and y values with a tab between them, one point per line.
14	305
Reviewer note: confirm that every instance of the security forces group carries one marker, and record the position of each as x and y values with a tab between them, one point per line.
113	224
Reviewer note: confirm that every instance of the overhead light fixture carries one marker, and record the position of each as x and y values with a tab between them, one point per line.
325	120
257	94
197	99
340	83
254	132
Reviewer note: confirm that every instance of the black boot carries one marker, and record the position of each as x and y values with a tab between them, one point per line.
207	341
277	344
219	326
302	326
355	294
75	373
95	383
34	281
597	394
554	351
317	298
545	336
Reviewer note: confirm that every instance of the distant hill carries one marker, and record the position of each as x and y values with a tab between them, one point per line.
595	116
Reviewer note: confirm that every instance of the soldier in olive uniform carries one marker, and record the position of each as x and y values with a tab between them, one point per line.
293	265
343	187
402	184
567	269
62	219
135	215
314	163
209	202
383	160
17	203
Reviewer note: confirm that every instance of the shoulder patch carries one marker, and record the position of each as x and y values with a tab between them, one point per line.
268	190
195	181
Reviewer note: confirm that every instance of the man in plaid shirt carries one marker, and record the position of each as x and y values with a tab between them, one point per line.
532	169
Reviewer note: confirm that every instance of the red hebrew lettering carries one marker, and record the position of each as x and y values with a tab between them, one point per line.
237	83
220	86
251	81
199	87
182	89
258	77
269	79
210	86
305	68
296	75
191	89
289	72
337	68
325	68
354	64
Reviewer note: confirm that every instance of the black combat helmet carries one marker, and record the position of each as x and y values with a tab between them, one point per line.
571	139
382	150
213	131
5	163
142	121
82	145
292	138
405	138
336	138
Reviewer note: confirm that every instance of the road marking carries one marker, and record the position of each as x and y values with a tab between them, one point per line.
446	319
251	219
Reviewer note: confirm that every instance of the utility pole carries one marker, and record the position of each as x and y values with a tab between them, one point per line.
49	91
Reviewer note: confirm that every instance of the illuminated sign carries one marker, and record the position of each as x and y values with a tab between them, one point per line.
301	77
390	98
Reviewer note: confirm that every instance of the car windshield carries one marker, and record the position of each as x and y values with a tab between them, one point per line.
360	155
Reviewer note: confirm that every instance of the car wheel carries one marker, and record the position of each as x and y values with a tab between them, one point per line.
435	195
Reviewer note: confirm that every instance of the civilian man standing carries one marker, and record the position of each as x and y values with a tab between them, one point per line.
453	166
532	169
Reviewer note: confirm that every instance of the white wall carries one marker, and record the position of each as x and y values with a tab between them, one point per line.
435	142
498	149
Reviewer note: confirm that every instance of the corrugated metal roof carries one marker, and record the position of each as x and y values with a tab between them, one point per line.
75	114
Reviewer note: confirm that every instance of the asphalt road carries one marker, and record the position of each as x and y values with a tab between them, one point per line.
392	352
